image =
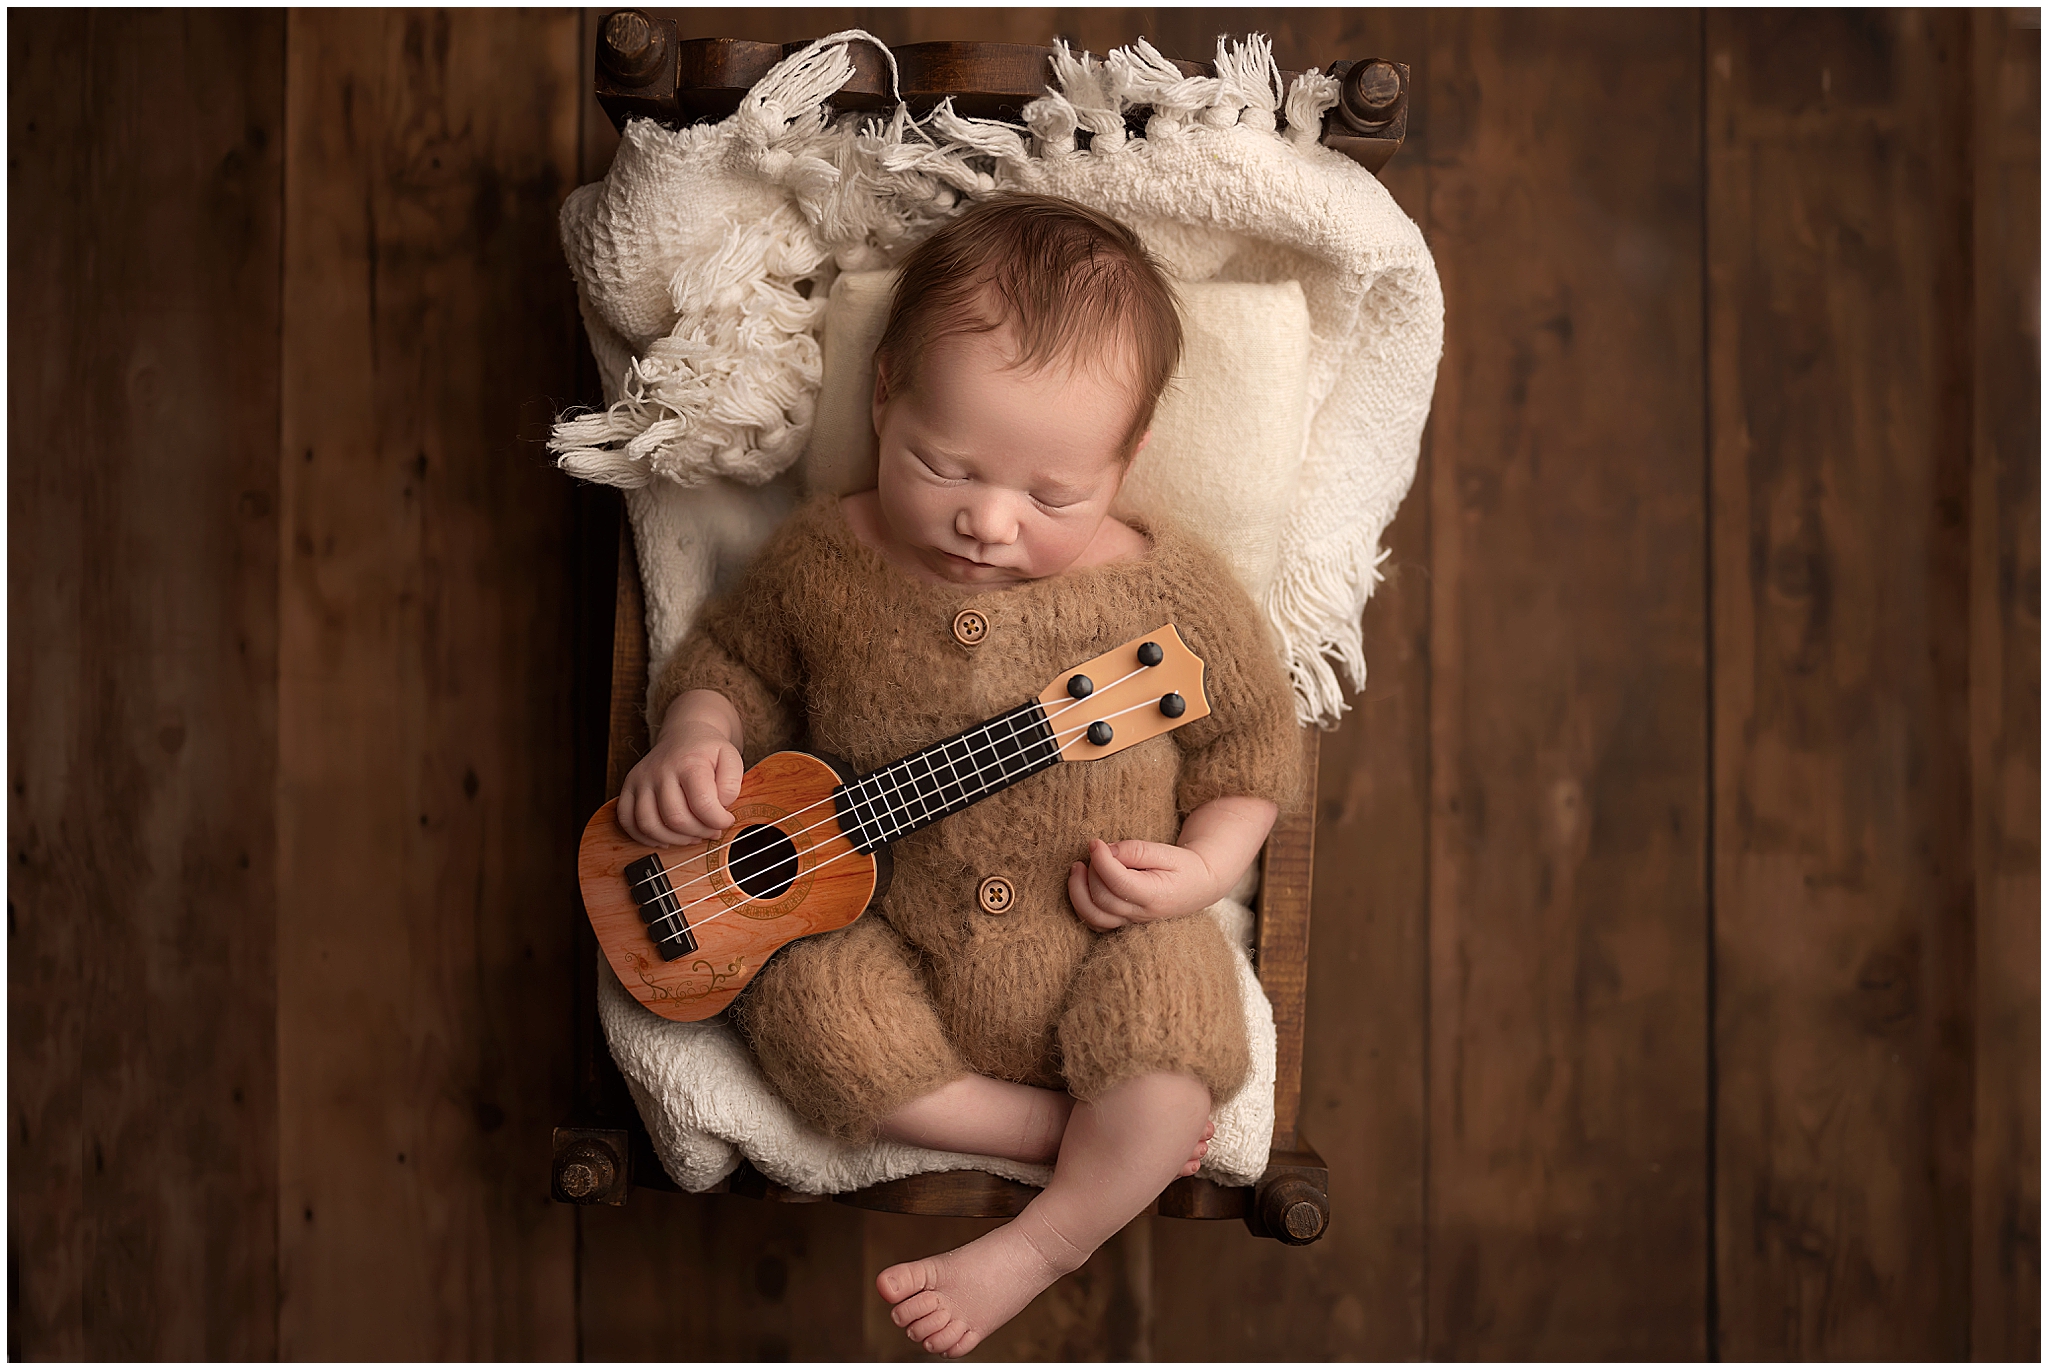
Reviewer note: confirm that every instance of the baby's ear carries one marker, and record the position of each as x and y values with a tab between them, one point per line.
881	396
1143	438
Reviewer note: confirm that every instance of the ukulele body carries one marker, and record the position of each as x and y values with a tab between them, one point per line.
784	870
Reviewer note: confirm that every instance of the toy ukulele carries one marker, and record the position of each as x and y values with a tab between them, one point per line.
686	928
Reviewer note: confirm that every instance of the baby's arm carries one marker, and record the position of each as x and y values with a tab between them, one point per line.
679	791
1138	882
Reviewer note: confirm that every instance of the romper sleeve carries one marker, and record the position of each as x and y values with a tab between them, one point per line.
742	647
1250	744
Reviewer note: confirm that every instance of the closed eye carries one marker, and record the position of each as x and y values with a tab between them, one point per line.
938	472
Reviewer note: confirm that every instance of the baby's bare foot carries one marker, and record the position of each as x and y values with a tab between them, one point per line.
951	1303
1201	1151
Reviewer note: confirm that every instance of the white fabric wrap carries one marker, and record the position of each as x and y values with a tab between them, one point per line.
704	262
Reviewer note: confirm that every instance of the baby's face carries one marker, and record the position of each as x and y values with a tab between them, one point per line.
991	475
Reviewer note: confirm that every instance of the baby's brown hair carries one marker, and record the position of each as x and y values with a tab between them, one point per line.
1066	278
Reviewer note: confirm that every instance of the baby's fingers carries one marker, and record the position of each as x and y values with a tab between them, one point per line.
628	813
731	772
640	815
1115	878
700	793
679	815
1084	901
1109	901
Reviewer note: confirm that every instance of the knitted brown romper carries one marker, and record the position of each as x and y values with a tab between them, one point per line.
826	646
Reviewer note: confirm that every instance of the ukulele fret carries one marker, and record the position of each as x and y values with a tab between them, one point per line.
897	800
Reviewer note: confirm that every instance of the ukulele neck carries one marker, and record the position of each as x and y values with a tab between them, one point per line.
946	777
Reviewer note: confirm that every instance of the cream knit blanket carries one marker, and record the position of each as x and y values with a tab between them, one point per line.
704	258
703	262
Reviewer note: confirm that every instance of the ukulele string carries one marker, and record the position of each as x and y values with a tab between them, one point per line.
710	852
851	851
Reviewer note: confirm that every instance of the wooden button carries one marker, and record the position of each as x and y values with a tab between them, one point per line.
970	626
995	895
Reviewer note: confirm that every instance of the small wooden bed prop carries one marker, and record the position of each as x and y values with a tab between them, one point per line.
645	71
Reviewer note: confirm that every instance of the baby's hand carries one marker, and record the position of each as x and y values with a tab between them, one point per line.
679	791
1140	882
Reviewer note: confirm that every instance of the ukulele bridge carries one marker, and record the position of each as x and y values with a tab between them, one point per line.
659	908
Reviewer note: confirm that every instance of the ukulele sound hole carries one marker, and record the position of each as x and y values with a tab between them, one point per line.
762	862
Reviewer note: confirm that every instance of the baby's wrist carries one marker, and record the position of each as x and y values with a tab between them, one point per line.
702	712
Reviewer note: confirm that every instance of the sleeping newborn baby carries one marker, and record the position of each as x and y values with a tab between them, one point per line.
1077	1015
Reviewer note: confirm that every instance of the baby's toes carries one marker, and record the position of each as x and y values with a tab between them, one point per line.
967	1341
915	1308
930	1326
899	1282
948	1340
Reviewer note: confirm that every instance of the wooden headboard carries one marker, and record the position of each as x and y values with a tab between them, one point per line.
646	71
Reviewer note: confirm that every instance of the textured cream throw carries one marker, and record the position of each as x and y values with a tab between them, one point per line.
705	263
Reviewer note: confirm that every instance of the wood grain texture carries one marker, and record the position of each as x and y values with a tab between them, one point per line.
424	788
144	175
2005	685
722	1278
951	1193
1568	1087
1280	947
1873	206
1841	428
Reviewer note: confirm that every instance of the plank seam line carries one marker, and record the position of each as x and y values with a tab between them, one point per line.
1712	1311
284	553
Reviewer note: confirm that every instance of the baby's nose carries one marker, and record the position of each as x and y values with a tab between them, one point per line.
990	521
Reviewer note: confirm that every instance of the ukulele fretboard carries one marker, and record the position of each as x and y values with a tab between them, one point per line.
945	777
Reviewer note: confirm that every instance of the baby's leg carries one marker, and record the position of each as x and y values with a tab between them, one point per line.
1119	1151
984	1117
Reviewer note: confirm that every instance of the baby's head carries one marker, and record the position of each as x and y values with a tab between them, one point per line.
1025	352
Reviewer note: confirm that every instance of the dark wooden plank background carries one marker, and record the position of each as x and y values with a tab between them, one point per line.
1841	438
1676	987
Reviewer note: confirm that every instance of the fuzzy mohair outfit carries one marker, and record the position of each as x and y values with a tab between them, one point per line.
826	646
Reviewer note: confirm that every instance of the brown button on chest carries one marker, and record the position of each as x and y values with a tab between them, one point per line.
970	626
995	895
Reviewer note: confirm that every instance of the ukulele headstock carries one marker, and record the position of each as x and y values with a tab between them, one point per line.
1148	686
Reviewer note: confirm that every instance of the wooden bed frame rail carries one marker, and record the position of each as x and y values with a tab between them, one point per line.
645	70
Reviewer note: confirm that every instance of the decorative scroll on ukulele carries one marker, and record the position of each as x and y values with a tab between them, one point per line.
809	852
